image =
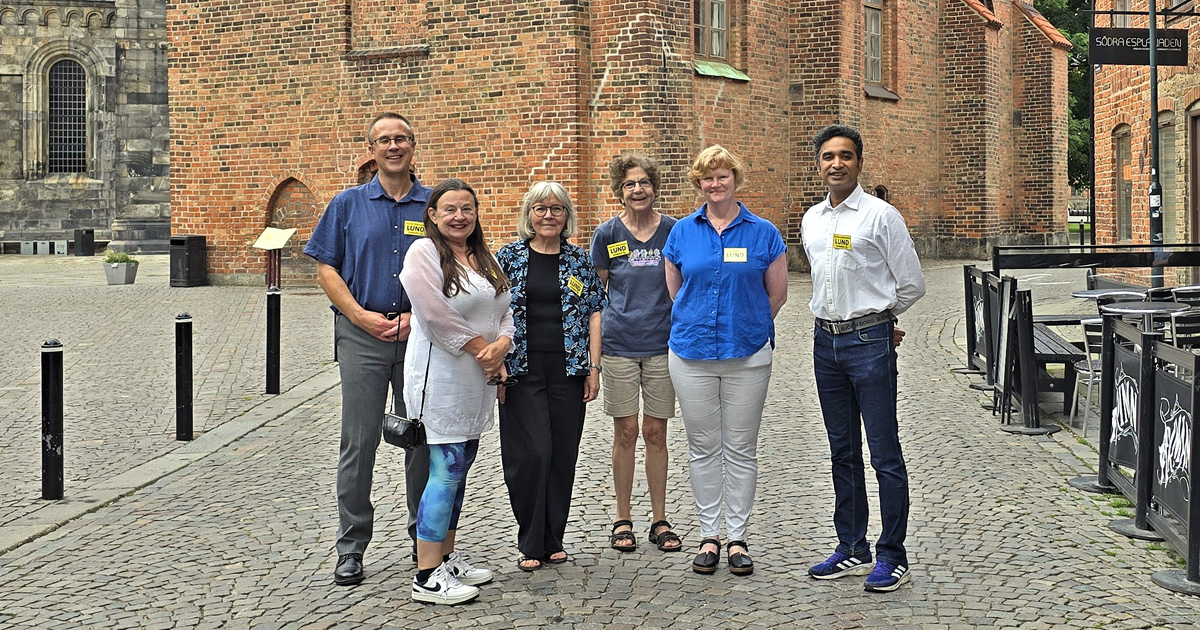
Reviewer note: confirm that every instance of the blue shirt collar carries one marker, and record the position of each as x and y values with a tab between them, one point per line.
416	192
744	214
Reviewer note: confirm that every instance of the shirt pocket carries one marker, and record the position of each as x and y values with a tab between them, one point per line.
847	262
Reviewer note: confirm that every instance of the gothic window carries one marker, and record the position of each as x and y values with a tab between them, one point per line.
67	116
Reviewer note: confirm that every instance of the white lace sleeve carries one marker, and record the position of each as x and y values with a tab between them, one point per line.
422	280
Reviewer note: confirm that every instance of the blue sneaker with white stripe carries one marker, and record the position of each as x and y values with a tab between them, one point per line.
840	565
886	577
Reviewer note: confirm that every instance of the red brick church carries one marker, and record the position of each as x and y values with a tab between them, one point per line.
962	105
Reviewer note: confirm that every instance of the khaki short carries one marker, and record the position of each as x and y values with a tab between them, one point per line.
623	377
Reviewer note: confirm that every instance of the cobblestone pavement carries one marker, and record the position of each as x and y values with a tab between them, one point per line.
119	363
242	537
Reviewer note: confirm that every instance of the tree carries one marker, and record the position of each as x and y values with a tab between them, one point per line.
1068	17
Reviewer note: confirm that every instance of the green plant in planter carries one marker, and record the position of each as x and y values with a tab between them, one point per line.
113	256
119	267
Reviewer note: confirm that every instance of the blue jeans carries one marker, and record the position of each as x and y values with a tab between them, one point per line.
856	382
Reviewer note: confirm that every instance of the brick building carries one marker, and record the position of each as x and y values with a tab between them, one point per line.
83	121
963	105
1123	137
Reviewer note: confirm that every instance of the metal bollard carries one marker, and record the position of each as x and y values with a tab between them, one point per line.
273	340
52	419
183	377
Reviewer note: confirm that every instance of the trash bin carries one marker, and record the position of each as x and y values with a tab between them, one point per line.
188	259
85	242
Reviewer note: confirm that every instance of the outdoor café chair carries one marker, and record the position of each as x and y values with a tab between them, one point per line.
1087	371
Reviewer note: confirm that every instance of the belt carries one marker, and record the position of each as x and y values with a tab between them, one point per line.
858	323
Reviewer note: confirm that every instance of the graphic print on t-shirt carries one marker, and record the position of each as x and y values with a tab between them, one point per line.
645	257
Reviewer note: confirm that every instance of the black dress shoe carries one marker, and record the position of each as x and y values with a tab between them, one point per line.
706	561
739	561
349	569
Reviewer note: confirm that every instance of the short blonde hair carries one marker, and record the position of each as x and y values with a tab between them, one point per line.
540	192
715	157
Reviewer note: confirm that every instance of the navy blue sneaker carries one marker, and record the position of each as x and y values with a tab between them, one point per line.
840	565
886	577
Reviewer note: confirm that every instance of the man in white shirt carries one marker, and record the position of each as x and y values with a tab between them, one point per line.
865	272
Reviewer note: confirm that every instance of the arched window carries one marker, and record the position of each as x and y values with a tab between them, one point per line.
1167	175
67	133
367	171
1123	159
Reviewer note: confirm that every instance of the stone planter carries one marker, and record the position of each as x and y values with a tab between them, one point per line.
120	273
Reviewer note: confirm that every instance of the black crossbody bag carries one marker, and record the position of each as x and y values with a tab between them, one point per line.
407	432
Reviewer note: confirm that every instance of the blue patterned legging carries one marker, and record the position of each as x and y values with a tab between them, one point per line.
442	500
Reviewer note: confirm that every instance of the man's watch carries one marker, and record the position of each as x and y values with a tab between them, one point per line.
597	367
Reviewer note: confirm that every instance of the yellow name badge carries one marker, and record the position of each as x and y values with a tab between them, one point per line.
575	285
618	249
414	228
841	241
735	254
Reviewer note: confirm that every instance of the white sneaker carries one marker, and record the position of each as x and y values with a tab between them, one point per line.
443	588
458	566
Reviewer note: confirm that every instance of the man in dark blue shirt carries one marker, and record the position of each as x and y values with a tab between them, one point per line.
359	245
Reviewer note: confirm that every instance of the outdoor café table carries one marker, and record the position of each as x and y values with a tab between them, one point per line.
1092	294
1146	309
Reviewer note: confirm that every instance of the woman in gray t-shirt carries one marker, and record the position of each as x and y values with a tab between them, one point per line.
627	253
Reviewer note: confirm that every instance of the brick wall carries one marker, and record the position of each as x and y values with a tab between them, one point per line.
1122	97
1040	147
506	95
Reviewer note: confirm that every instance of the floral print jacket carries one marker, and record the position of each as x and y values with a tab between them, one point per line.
582	295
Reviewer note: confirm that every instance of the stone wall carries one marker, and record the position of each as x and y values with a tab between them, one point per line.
123	193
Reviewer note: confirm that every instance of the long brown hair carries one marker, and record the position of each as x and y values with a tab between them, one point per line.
453	276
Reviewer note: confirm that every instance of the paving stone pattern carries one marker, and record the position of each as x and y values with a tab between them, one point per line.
119	363
243	538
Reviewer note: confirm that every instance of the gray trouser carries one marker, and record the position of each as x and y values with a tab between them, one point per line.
722	404
367	365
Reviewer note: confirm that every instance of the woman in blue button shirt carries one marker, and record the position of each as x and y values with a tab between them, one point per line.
557	298
727	273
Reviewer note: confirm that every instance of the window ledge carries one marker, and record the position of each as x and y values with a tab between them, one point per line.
709	68
874	90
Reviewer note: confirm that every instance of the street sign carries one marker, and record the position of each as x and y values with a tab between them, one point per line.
1131	47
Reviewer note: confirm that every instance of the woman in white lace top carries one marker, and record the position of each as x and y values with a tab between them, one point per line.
462	328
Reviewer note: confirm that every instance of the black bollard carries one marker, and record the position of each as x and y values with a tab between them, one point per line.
183	377
52	419
273	340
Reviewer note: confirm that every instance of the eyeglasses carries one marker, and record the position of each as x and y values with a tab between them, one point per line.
508	382
553	210
387	142
641	183
466	211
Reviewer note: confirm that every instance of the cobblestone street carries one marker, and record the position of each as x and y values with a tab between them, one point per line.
236	529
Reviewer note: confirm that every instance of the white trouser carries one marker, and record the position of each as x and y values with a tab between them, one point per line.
722	404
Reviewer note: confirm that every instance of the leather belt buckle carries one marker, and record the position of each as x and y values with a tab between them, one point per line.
858	323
